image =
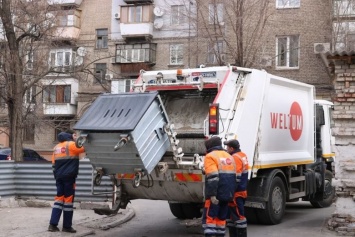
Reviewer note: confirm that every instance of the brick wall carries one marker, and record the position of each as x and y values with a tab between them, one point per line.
343	220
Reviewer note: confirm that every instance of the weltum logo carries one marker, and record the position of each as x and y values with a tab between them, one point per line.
292	121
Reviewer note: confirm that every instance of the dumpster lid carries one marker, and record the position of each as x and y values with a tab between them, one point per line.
113	112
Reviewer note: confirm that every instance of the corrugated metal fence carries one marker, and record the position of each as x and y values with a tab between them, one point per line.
25	180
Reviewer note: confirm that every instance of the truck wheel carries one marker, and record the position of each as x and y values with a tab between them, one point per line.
176	210
329	192
192	210
275	207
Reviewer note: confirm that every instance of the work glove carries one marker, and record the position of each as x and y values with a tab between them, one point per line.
214	200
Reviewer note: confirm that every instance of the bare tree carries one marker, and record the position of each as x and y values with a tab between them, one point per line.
31	29
233	30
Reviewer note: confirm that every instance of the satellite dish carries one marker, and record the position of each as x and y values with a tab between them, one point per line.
158	12
81	51
78	60
158	23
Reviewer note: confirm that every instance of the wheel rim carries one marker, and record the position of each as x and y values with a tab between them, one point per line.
277	200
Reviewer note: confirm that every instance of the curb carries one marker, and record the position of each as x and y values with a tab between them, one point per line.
127	216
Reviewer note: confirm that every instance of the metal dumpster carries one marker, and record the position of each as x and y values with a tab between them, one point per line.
124	133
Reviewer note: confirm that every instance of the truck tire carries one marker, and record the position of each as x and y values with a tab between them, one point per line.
275	206
186	210
176	210
192	210
329	192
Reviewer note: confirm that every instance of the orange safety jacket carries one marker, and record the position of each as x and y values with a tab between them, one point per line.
241	161
65	159
220	175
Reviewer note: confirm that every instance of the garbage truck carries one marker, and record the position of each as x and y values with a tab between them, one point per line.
150	141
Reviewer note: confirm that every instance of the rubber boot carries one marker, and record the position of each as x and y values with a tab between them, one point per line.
241	232
232	232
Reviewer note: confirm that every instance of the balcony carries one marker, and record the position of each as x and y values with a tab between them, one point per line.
60	96
139	54
67	32
131	31
136	22
57	109
65	2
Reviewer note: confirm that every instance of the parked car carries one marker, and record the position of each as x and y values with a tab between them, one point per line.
28	155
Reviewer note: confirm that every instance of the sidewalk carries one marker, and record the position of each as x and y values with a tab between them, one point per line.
19	218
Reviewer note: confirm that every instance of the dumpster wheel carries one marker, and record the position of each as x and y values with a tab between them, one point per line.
98	177
137	179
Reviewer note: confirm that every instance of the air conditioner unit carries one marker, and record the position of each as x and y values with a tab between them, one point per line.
321	48
117	16
108	77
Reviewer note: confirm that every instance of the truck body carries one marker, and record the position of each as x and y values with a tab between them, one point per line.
150	141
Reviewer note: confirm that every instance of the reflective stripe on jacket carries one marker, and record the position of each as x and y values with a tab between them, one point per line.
65	159
220	175
241	162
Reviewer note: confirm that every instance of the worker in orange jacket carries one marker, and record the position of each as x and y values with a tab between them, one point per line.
65	162
237	222
220	185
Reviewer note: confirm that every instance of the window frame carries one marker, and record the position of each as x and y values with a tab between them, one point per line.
30	95
100	68
101	38
287	5
287	51
178	54
177	16
216	13
65	62
213	50
56	94
29	132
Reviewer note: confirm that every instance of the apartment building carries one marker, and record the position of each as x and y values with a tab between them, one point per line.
103	45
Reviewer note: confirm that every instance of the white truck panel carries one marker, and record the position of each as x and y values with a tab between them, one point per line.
287	124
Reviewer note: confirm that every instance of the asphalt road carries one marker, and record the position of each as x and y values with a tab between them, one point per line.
154	219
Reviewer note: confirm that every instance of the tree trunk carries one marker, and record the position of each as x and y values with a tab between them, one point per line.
14	84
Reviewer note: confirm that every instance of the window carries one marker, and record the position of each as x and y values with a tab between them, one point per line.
133	53
136	14
288	3
70	18
57	94
215	53
344	36
100	73
124	85
30	95
29	132
177	14
61	59
287	51
29	60
215	13
101	38
176	54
